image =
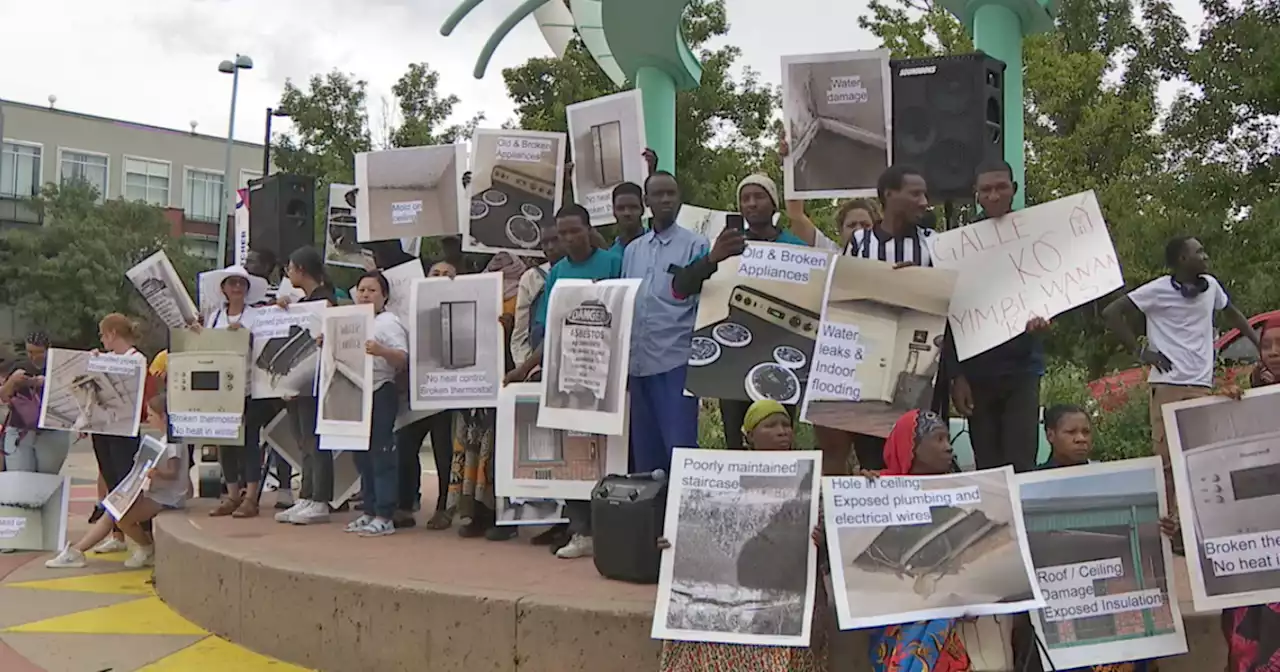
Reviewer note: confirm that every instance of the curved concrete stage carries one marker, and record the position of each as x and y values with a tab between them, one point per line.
430	601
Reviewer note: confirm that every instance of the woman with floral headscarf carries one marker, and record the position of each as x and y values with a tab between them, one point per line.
919	445
767	426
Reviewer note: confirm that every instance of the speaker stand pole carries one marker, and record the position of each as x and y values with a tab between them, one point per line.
998	28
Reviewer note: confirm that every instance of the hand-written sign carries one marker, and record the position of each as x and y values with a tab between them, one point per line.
844	90
1039	262
529	150
784	263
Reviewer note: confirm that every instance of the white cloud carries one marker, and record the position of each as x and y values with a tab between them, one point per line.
155	61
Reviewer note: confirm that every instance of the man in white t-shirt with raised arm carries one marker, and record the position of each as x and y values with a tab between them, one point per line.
1179	310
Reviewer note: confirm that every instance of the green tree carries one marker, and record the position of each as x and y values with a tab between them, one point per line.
720	125
65	276
424	112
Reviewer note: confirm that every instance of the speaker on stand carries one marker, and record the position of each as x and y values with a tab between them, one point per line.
282	213
948	119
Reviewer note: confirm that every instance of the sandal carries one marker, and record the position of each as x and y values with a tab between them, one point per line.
440	520
225	508
247	509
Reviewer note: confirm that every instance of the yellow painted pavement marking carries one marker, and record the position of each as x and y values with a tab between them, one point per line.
134	582
212	654
145	616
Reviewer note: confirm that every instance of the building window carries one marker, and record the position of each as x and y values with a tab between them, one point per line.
246	175
91	168
204	248
146	181
203	195
19	170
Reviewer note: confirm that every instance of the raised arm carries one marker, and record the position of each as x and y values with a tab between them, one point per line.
1238	320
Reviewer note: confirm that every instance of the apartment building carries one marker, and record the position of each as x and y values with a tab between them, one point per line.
181	171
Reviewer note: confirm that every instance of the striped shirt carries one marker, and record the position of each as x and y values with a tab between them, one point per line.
913	250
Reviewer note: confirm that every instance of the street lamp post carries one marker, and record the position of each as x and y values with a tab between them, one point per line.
266	141
232	68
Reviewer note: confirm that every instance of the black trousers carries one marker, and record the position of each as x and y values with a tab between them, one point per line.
409	445
732	413
1005	425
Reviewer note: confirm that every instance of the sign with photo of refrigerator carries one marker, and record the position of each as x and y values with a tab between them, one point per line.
606	139
539	463
879	345
838	119
517	184
742	565
914	548
1102	563
586	355
456	351
1225	457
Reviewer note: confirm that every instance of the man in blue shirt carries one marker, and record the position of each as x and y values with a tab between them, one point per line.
662	417
582	261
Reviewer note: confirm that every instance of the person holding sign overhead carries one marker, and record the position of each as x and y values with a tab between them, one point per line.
1179	310
999	390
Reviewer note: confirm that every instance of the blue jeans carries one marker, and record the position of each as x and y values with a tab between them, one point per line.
379	466
662	419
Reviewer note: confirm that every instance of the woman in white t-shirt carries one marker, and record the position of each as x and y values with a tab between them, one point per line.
242	465
379	466
167	484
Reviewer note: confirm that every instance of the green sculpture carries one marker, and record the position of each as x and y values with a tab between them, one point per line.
637	42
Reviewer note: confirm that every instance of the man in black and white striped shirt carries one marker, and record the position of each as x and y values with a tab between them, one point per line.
898	238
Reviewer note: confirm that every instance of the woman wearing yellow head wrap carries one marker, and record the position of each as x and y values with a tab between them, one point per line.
767	426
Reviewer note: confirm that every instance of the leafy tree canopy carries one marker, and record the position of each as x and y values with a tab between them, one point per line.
65	276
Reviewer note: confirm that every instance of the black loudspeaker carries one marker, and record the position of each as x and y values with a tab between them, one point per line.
627	513
948	118
282	213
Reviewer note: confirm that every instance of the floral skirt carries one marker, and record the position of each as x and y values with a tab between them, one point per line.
471	478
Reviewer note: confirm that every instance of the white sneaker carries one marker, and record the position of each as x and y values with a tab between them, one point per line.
110	545
284	498
286	516
143	556
578	547
313	513
69	558
358	524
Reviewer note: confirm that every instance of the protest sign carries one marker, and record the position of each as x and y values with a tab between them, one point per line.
1224	464
741	564
346	372
285	356
517	183
93	393
455	342
539	463
33	511
587	354
1103	565
879	345
1038	262
606	139
158	283
757	320
912	548
406	192
121	499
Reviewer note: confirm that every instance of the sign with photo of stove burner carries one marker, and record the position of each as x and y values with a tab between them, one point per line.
516	186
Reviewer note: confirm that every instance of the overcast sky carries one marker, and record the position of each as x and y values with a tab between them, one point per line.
155	61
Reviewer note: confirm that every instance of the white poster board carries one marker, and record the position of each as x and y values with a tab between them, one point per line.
1038	262
455	342
538	463
93	393
400	279
606	139
586	355
742	562
1226	472
517	185
1099	555
158	283
346	372
409	192
838	119
893	558
285	356
122	497
33	511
